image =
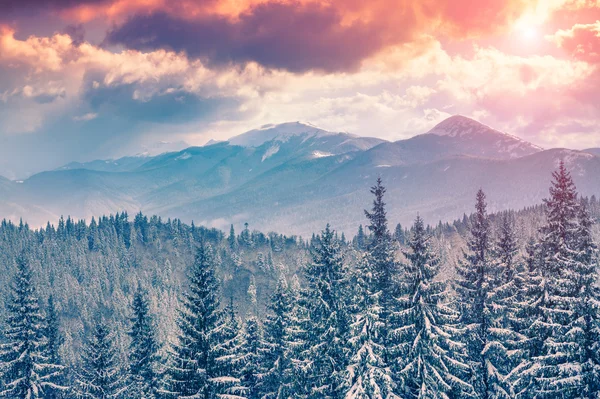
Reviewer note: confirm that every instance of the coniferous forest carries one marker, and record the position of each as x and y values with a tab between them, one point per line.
493	306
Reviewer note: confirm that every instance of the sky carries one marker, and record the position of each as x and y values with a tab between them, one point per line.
89	79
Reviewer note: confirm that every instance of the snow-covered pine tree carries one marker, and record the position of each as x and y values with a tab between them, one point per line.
326	299
526	321
587	305
27	371
381	255
100	375
360	239
195	369
230	336
143	350
368	375
232	240
476	278
276	382
505	347
559	367
52	351
431	363
251	353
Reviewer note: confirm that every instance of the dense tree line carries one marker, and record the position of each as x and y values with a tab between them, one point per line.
373	318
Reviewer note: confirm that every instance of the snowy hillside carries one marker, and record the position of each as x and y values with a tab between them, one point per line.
471	133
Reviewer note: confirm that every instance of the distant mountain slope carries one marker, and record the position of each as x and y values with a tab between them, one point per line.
124	164
295	178
475	138
594	151
336	143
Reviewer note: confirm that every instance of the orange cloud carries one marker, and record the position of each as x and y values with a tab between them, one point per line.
582	41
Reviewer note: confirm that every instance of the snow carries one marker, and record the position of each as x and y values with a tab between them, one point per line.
281	133
321	154
184	156
460	126
274	149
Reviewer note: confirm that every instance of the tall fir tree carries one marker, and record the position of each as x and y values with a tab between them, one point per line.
101	376
586	324
197	366
505	347
143	350
326	299
276	358
230	357
476	278
27	371
431	362
368	375
55	340
251	352
559	370
381	250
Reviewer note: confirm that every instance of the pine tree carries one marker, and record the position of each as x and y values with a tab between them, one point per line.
432	363
143	349
54	342
368	374
326	299
560	373
276	358
196	368
231	240
230	335
526	321
586	325
101	375
26	370
251	351
380	252
476	279
505	347
361	244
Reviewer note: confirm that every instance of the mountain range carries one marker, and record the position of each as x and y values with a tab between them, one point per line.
296	177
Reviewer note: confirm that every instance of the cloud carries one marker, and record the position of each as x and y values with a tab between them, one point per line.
300	36
85	117
582	41
288	36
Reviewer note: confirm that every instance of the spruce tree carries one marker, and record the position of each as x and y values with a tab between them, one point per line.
368	375
326	298
381	250
55	341
276	358
559	370
230	358
475	280
251	351
196	367
586	325
526	322
143	349
505	347
101	375
431	361
27	371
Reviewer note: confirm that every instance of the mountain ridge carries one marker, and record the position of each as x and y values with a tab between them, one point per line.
296	181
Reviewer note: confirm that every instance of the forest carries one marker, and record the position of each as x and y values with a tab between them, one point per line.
495	305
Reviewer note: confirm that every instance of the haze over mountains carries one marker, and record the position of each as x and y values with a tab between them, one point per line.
295	177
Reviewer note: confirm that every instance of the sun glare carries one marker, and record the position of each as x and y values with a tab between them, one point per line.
529	33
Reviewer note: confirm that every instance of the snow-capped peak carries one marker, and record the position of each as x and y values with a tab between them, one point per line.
472	133
458	126
281	132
